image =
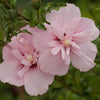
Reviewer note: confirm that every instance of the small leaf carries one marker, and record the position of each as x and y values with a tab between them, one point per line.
41	26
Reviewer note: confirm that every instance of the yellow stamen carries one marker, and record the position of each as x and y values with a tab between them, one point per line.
30	58
67	42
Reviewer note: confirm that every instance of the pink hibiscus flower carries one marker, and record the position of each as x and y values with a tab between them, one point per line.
67	40
21	67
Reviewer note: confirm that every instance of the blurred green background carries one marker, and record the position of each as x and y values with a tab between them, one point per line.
73	86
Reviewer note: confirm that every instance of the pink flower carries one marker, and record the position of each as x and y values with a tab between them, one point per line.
21	67
67	40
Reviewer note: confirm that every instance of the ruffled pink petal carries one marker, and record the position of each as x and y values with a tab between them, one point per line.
53	43
27	45
81	61
52	64
89	49
75	45
25	62
13	42
41	39
7	54
55	50
72	27
17	54
37	82
23	71
26	36
63	53
64	16
8	72
17	41
86	31
67	56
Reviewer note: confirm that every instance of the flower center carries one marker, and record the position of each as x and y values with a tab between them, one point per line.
66	42
30	58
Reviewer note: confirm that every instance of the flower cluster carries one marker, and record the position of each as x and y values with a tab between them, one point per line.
34	60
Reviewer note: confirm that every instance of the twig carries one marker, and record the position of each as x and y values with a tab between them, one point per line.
22	16
67	87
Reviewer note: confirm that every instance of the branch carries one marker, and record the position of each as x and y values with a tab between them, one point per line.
67	87
22	16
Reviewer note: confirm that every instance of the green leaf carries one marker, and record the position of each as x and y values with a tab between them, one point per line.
31	14
41	26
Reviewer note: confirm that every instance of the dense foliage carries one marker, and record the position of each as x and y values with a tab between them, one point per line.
73	86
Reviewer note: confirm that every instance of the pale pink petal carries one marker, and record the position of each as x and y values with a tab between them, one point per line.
27	37
17	40
23	71
81	61
27	45
67	56
41	39
72	27
63	53
8	72
75	46
7	54
37	82
67	50
86	31
53	43
52	64
17	54
55	50
13	42
25	62
89	49
63	16
58	33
